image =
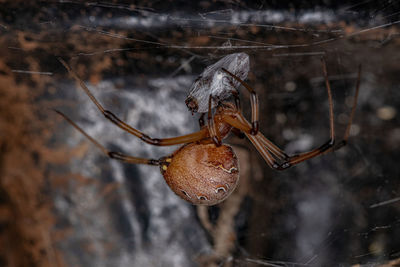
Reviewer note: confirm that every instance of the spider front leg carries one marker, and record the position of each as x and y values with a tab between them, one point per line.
330	145
254	111
211	124
272	154
253	101
277	158
343	142
296	159
201	120
203	133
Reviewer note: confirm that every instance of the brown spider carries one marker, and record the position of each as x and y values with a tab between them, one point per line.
204	171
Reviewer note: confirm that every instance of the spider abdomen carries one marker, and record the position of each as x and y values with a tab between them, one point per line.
202	174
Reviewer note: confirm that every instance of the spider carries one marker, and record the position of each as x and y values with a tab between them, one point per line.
205	171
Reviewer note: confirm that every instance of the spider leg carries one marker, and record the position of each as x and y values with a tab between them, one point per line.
268	149
331	116
201	120
269	153
296	159
203	133
254	117
343	142
237	100
330	145
272	154
211	124
253	101
237	131
265	152
111	154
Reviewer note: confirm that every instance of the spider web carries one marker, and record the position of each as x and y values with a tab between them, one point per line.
140	60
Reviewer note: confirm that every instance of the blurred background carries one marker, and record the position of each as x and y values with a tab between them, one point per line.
63	203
